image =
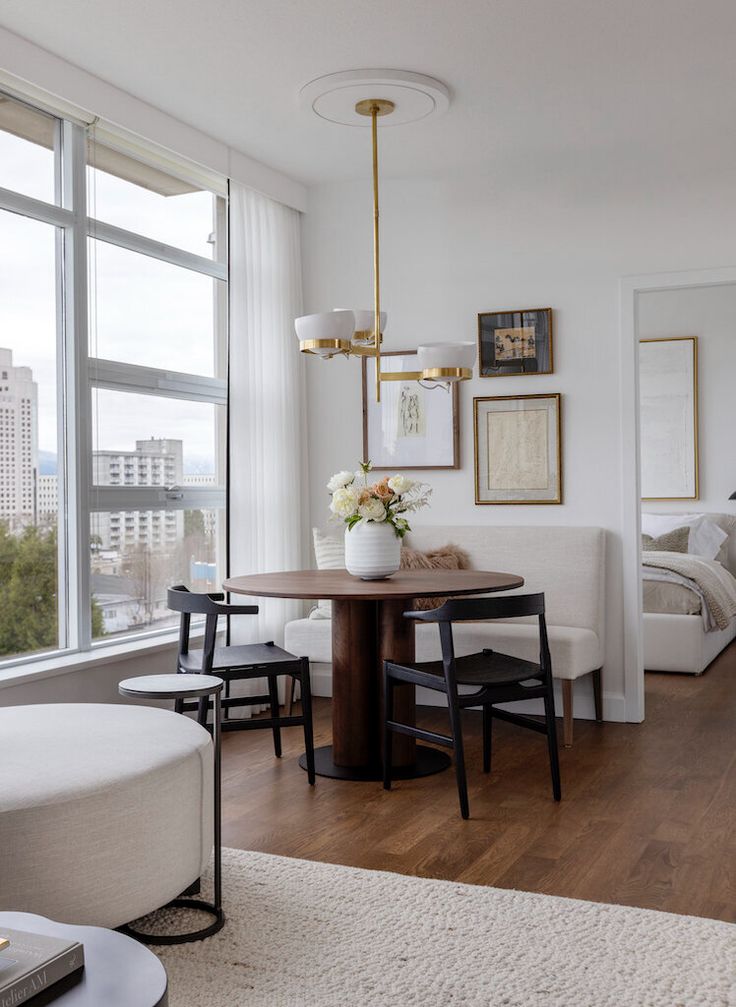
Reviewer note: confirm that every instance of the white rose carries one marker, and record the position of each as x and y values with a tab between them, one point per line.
344	502
372	510
400	484
339	480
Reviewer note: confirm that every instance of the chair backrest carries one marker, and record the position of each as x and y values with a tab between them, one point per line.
513	606
180	599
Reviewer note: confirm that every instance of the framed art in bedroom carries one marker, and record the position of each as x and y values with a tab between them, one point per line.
412	427
518	449
668	408
515	342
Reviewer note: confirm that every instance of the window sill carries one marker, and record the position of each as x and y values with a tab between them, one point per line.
50	667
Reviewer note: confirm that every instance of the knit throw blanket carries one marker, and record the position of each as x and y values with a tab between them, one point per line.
713	582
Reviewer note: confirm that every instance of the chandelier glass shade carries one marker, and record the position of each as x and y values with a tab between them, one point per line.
359	332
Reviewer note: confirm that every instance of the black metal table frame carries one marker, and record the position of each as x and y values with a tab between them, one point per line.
214	908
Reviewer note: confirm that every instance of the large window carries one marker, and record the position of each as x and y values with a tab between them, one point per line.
112	384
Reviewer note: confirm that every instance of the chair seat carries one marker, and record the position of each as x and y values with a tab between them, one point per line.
261	656
481	669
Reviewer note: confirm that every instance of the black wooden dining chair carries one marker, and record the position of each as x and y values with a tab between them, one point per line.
497	678
235	663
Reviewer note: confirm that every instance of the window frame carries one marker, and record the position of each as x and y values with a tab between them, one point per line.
78	373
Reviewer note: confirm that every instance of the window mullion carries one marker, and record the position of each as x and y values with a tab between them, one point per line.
77	390
113	235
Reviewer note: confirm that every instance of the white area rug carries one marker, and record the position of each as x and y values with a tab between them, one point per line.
303	934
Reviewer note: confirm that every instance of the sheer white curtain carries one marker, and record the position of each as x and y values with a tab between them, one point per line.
268	452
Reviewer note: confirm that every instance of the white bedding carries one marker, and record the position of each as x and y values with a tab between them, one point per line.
698	606
707	579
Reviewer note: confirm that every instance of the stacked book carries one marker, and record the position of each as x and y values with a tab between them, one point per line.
35	969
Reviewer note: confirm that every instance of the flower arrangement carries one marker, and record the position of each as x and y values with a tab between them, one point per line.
388	500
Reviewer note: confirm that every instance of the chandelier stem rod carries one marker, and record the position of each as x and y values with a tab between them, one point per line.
376	264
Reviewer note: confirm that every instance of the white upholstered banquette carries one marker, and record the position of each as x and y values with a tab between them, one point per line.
567	564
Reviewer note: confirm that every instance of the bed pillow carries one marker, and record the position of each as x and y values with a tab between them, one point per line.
672	541
706	538
659	524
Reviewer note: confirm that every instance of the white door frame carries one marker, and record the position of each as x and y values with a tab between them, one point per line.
630	288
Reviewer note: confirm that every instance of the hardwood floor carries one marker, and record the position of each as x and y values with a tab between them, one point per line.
648	815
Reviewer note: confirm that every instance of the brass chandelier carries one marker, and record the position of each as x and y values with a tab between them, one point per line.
359	333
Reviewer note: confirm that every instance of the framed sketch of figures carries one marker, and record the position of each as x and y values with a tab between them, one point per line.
668	404
515	342
518	449
411	427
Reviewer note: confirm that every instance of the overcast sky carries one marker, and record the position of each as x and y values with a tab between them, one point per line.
141	310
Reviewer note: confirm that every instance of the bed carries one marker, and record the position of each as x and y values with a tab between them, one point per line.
681	631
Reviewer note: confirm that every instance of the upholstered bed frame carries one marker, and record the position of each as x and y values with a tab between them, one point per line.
680	643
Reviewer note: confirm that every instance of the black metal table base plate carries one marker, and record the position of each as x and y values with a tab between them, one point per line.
428	762
186	938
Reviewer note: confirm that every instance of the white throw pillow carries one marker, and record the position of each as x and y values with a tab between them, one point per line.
706	538
329	551
659	524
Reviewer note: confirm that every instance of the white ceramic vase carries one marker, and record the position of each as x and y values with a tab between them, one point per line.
372	550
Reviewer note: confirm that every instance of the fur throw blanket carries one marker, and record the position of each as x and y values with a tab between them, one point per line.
448	557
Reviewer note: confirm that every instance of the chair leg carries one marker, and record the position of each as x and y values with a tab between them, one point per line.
388	704
567	711
457	738
178	706
289	690
554	756
204	705
274	695
307	714
598	695
487	736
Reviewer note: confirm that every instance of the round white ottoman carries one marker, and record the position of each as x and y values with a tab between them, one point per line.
105	811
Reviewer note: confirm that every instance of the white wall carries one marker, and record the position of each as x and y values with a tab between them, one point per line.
452	247
710	314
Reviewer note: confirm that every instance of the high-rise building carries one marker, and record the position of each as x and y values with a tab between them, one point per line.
155	462
48	496
18	442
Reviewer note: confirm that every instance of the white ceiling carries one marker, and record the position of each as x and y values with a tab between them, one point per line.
588	88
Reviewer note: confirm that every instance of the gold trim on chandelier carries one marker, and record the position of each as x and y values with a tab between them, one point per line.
430	374
336	345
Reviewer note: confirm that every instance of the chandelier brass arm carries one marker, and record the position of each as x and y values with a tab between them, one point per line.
347	333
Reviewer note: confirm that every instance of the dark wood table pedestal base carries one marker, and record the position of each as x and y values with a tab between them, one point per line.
427	762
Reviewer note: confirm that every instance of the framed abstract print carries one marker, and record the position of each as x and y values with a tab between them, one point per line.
515	342
668	406
518	449
411	427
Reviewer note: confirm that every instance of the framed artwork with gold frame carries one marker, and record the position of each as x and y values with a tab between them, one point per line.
668	409
518	449
515	342
412	427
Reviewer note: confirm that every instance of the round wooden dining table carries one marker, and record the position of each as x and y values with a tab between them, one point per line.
368	627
